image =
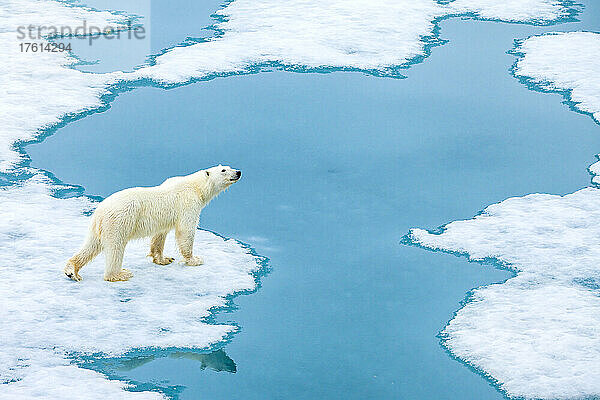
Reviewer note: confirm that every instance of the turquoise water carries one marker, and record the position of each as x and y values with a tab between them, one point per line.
337	167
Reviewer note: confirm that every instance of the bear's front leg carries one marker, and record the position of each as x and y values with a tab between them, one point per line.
114	258
184	236
157	245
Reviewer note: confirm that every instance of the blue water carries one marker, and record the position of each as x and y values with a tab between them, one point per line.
337	167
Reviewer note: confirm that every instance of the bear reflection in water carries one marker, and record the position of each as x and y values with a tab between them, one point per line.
217	360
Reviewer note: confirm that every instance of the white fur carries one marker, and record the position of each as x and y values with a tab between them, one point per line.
150	211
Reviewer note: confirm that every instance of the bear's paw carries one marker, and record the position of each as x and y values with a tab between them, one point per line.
193	261
123	275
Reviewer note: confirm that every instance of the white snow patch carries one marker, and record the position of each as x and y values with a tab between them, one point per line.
566	62
45	315
537	334
50	376
540	11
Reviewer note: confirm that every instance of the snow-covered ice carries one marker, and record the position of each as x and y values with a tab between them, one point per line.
46	316
373	35
538	334
38	89
565	62
538	11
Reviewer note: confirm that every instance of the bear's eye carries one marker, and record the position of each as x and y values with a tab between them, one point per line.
222	170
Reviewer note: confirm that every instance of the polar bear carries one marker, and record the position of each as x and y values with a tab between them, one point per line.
150	211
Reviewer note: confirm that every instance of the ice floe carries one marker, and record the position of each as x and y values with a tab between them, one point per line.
565	62
536	11
373	35
537	334
45	316
37	89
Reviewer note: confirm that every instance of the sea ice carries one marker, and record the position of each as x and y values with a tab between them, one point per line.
537	334
373	35
46	316
565	62
38	89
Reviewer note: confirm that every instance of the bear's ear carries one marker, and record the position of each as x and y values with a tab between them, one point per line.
207	173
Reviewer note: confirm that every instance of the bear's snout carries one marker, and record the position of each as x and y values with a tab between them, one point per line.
236	176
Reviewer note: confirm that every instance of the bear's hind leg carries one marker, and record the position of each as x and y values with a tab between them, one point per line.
157	245
114	260
88	251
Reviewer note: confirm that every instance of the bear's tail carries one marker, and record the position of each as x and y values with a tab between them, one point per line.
90	249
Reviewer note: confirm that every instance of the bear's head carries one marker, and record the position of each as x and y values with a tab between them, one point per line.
221	177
